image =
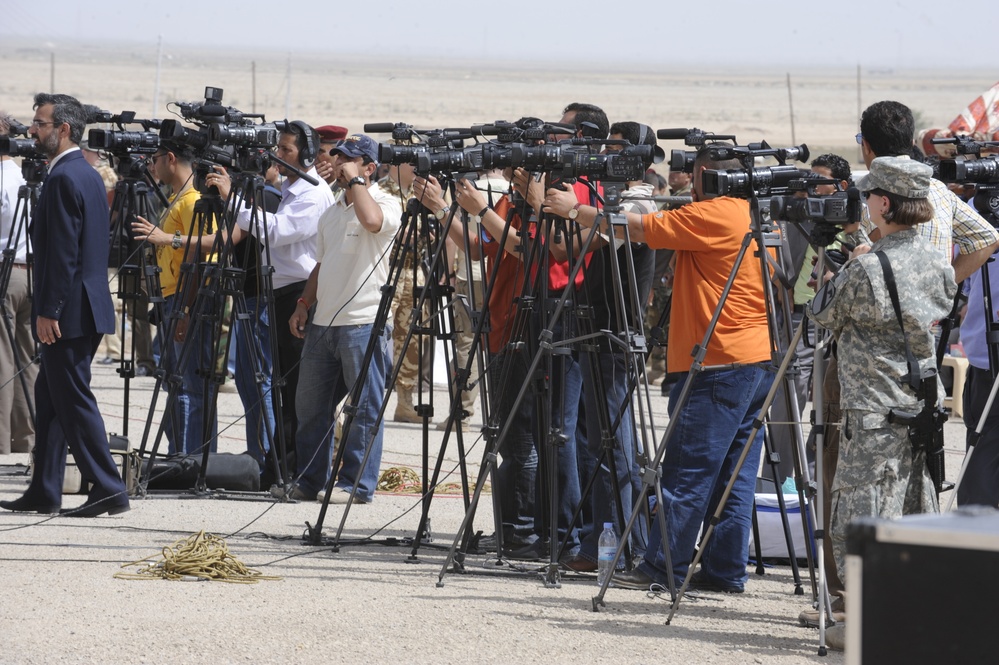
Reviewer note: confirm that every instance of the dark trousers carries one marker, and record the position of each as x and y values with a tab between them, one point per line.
288	358
68	416
980	484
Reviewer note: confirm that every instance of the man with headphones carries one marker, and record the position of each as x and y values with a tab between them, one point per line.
290	235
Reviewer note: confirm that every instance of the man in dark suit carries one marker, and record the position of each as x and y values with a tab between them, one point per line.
71	311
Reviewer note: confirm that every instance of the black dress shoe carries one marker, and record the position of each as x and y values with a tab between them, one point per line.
95	508
25	505
579	564
632	579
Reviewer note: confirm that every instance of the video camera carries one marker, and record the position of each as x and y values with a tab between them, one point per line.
683	160
752	181
982	172
34	164
803	204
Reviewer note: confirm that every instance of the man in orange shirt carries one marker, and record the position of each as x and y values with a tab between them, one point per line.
725	399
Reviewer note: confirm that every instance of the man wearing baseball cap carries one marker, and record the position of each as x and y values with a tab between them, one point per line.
336	316
880	473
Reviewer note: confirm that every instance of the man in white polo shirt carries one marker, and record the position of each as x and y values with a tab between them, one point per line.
352	249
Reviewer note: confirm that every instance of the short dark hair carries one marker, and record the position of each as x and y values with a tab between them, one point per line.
888	128
838	167
183	152
301	140
707	156
632	133
65	109
591	114
904	210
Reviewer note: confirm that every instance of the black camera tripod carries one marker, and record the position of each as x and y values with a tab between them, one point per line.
206	285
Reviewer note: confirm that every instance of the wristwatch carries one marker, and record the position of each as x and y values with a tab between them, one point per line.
177	240
442	213
357	180
574	213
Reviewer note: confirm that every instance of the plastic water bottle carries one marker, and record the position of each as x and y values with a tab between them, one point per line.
606	548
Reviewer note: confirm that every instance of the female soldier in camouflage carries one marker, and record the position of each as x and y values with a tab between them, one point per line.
878	474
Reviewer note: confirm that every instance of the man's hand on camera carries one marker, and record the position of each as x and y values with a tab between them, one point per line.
220	180
560	200
469	197
429	193
529	188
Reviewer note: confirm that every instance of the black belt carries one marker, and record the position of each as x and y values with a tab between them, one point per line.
291	288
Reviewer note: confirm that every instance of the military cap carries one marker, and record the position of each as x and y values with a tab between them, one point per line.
899	175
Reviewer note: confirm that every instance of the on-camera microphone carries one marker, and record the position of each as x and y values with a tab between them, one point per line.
379	128
672	134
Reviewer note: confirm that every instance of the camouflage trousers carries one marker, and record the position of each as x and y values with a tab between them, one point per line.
464	336
876	476
402	305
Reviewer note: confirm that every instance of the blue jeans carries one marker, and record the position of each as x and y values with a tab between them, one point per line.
700	458
565	385
331	364
184	424
252	338
613	374
517	472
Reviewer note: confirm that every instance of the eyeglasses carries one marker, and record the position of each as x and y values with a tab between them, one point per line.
860	139
866	195
155	157
39	123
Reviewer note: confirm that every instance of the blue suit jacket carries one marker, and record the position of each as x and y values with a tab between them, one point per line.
69	238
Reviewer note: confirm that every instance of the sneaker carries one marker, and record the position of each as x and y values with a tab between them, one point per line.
810	618
107	360
700	582
340	496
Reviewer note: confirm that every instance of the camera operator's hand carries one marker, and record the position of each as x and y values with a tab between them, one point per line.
469	197
47	330
429	193
560	200
532	190
143	229
220	180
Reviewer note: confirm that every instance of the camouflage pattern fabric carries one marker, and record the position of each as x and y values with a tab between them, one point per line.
876	476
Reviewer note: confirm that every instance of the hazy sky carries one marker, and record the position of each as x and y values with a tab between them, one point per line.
914	33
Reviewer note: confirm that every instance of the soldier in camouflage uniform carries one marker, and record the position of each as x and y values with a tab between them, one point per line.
399	182
878	475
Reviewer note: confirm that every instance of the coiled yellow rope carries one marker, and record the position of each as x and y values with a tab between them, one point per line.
403	480
203	556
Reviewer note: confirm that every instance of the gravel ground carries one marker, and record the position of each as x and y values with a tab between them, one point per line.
62	603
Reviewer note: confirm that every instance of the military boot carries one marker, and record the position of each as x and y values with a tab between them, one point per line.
404	411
